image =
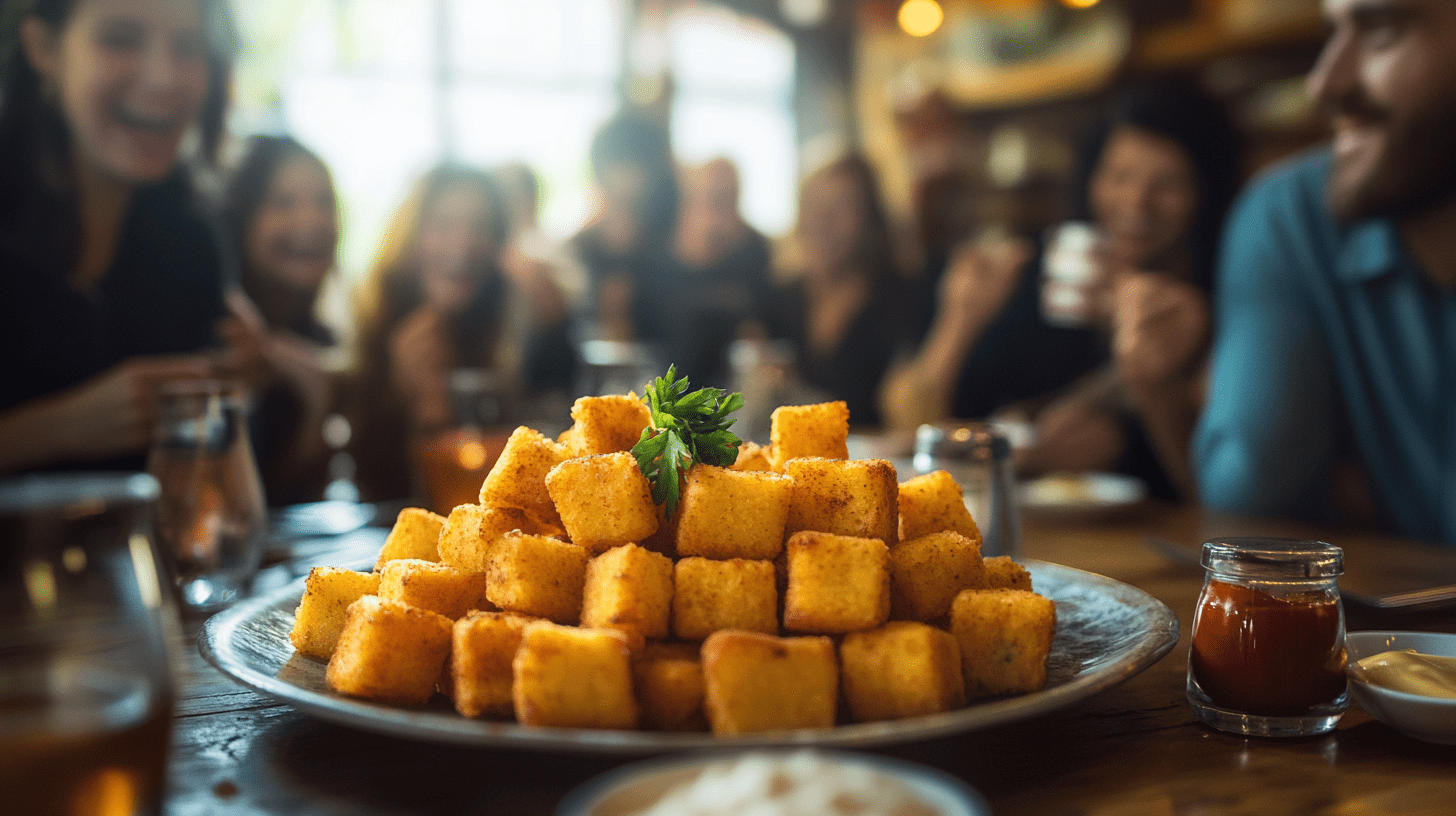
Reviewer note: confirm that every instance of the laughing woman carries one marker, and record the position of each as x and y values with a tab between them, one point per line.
111	281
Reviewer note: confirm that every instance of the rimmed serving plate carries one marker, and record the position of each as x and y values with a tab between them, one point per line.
1107	632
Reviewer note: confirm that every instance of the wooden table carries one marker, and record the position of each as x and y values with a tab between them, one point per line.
1135	749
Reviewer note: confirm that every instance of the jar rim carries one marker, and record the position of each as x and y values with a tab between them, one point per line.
1272	558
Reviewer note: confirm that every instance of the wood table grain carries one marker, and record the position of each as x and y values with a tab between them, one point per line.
1132	750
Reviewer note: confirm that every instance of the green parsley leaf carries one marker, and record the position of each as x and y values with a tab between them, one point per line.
686	429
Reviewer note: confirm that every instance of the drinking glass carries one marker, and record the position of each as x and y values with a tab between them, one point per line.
211	516
978	456
453	463
1071	275
85	624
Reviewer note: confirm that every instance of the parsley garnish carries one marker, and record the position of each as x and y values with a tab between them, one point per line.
686	429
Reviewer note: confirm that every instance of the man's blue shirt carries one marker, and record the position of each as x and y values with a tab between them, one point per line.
1330	345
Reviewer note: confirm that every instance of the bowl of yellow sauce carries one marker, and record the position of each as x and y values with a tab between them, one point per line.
1407	680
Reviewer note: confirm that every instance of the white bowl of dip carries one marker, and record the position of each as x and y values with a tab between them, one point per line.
1428	718
769	780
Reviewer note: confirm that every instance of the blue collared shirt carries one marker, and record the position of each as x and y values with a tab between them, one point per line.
1330	345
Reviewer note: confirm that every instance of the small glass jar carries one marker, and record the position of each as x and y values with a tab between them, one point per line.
1268	651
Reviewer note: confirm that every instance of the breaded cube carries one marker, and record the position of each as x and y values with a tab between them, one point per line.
808	430
482	647
610	424
327	593
1005	636
628	588
664	539
518	478
669	682
1003	573
472	529
536	575
755	682
574	678
751	456
836	583
709	595
901	669
847	497
389	651
927	572
415	534
934	503
604	500
733	514
437	587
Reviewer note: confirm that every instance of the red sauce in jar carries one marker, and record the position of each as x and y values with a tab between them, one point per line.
1258	654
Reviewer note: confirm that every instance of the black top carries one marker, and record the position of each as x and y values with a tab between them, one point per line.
708	304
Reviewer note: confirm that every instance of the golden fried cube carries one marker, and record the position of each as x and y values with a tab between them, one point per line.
389	651
901	669
709	595
414	535
808	430
574	678
1005	636
927	572
836	583
472	529
609	424
327	593
755	682
752	456
518	478
856	497
1003	573
537	575
664	539
436	587
628	588
934	503
733	514
604	500
482	647
669	682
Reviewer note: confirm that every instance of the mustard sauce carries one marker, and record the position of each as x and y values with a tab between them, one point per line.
1411	672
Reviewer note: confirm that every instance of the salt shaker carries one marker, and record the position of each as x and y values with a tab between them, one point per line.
978	456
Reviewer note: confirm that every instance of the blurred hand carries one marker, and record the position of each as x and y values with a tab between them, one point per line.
980	279
115	411
419	362
1073	435
1160	327
244	336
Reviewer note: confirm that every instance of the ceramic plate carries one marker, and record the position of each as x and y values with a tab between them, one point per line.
1106	632
1081	493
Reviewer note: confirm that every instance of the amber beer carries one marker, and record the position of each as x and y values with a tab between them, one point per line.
453	464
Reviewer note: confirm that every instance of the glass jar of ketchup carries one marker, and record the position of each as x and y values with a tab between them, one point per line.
1268	653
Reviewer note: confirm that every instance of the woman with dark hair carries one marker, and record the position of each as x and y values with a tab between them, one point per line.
1159	174
111	278
281	213
437	299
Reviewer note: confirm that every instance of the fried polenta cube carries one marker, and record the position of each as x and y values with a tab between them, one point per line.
537	575
628	588
901	669
604	500
573	678
752	456
927	572
1005	636
437	587
609	424
482	647
709	595
327	593
733	514
756	682
934	503
518	478
664	539
856	497
669	682
837	583
808	430
389	651
472	529
1003	573
415	534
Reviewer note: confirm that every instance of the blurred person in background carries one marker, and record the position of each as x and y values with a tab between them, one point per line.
437	300
1333	392
1122	393
281	214
112	280
535	262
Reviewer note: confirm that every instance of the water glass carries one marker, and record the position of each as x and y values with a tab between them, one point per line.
211	516
1071	275
978	456
85	628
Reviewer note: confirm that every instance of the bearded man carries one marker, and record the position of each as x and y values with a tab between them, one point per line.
1335	350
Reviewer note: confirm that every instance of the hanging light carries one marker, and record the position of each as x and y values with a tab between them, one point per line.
1080	4
919	18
